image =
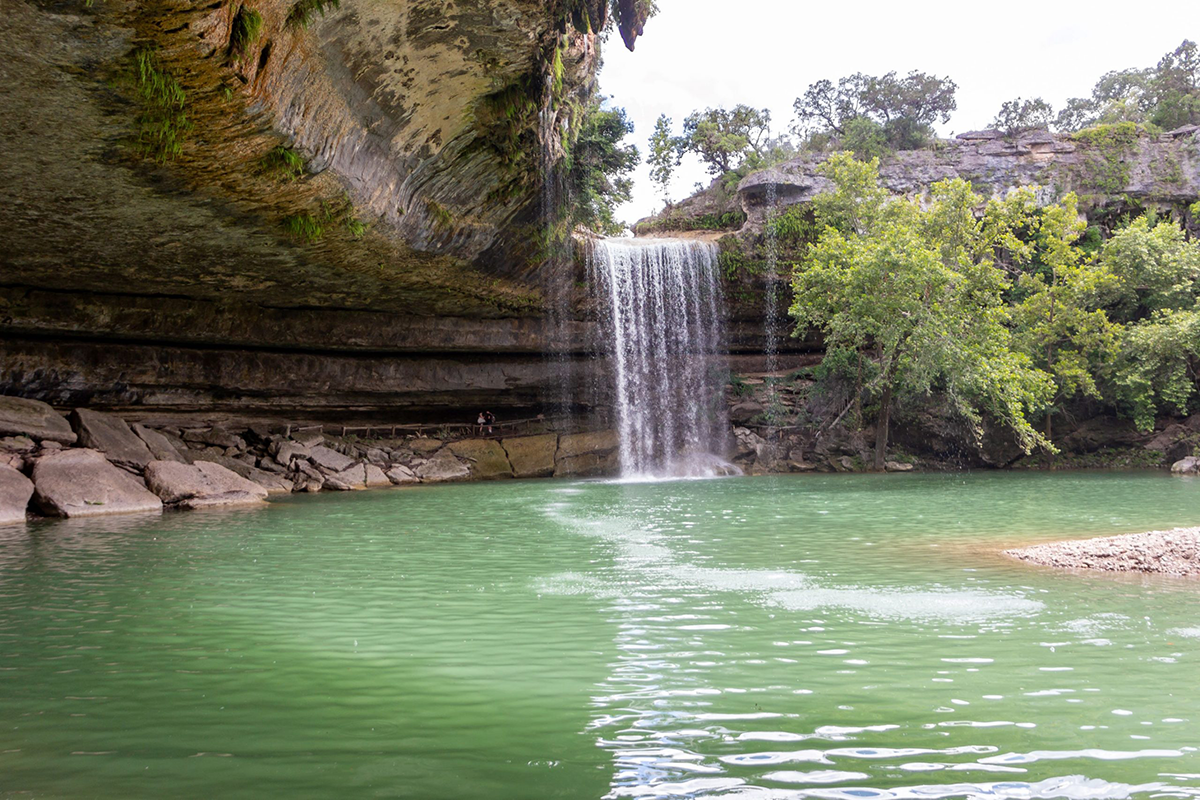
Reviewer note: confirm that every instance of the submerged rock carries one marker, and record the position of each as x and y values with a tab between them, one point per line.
532	456
15	491
82	483
112	436
35	419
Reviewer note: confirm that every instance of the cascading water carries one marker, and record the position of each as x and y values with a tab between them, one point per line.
661	322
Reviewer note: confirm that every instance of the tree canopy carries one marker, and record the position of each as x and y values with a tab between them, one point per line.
904	108
598	169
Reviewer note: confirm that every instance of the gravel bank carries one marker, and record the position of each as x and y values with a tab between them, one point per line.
1175	552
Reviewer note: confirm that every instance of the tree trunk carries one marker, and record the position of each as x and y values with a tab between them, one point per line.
881	427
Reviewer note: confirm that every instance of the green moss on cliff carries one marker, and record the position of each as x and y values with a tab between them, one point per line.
163	123
1109	149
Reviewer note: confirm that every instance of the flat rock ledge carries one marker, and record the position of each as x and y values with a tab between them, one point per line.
1175	552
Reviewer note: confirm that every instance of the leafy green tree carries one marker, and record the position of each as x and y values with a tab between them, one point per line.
1167	95
598	168
866	138
1176	87
916	291
722	138
1021	116
1159	365
1156	268
663	157
906	108
1058	322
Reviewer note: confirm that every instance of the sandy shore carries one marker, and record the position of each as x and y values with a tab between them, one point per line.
1175	552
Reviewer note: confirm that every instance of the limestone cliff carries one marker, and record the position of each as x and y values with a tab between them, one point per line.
257	185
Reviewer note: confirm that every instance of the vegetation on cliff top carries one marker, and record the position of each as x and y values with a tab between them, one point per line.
1005	313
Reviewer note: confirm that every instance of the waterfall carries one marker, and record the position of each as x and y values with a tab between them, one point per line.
661	321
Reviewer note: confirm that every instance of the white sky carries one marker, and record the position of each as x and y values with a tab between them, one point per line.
765	53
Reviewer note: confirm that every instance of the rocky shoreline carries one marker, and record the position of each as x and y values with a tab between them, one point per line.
92	463
1174	552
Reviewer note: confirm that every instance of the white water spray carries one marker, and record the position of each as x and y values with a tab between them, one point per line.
661	319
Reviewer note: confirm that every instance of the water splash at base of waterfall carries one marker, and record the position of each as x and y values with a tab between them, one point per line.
661	320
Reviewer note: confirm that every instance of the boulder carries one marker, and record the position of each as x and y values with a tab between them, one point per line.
160	446
744	412
578	444
1186	466
112	436
82	483
897	466
215	436
487	457
376	477
335	484
309	438
330	459
355	477
377	456
747	443
18	444
424	447
34	419
285	452
401	475
15	491
443	467
531	456
201	485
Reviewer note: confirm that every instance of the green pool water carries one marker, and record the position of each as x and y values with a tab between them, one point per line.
790	637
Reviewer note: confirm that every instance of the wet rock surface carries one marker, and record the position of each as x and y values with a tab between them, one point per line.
200	485
1175	552
15	491
82	483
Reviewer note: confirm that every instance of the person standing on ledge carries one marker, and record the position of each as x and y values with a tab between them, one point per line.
490	419
480	422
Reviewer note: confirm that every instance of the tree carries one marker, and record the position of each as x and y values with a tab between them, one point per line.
916	291
598	167
1159	365
906	108
722	138
1058	320
1176	87
1021	116
664	157
1156	268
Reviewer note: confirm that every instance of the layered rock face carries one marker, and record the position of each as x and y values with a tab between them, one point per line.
1113	166
195	279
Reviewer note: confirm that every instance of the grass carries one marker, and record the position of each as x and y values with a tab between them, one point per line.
305	227
283	163
163	123
305	12
247	27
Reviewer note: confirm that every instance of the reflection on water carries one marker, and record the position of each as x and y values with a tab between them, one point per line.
832	637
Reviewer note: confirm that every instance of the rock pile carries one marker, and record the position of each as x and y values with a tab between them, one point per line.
120	468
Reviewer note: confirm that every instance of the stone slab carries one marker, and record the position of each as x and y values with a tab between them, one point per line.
487	458
112	436
81	482
15	491
35	419
532	456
